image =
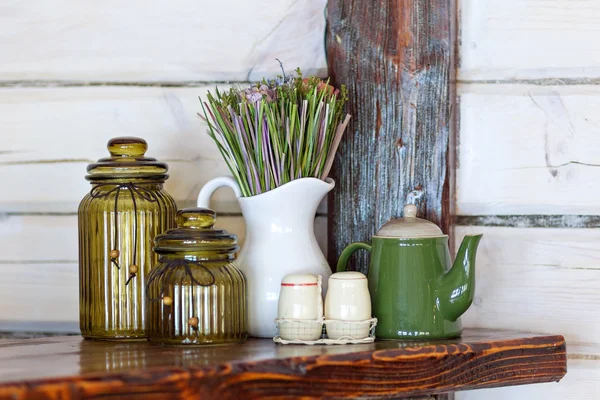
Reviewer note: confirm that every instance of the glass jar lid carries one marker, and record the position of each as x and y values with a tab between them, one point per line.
409	227
196	236
127	161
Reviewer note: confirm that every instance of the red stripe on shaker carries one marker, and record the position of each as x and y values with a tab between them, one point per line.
298	284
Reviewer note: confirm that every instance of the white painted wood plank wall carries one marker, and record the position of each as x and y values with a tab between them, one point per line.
528	149
537	279
39	268
174	41
73	75
53	133
529	39
529	142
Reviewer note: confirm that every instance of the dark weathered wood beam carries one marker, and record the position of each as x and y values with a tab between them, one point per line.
67	368
396	58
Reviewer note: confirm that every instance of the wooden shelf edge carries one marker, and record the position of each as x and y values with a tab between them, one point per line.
406	370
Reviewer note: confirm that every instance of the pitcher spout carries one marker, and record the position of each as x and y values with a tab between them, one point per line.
300	197
457	287
304	189
297	192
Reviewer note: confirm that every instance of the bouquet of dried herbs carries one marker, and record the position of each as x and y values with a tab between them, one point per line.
276	131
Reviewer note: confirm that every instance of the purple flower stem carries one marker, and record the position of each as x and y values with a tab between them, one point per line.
275	144
250	126
265	157
270	151
250	160
256	127
240	128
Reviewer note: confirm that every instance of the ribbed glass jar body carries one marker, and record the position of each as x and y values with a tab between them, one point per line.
109	307
210	314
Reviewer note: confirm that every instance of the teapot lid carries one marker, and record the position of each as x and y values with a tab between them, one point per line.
410	226
195	236
127	161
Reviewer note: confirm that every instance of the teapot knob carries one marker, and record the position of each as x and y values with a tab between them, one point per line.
410	211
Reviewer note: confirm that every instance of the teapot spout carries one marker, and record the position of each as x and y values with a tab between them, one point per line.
457	287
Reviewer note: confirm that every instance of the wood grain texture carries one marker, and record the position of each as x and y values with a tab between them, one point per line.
259	368
543	280
537	40
182	40
581	383
526	149
395	58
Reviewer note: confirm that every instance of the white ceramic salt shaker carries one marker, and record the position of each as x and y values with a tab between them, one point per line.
300	307
348	300
300	297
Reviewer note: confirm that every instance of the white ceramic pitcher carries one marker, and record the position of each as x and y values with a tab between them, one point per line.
280	240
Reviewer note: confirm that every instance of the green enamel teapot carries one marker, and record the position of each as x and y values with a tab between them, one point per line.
416	291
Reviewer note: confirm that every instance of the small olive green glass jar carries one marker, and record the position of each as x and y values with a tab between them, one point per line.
196	295
118	220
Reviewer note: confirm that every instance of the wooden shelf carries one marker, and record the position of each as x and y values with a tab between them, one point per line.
68	367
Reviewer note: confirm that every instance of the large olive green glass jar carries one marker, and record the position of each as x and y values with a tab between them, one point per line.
196	295
118	220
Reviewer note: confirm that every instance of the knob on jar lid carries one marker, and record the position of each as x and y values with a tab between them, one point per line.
196	218
127	160
195	235
127	147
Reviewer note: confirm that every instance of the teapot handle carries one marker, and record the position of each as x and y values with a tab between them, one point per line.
347	253
211	186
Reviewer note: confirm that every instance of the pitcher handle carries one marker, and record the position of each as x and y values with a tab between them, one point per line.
211	186
347	253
